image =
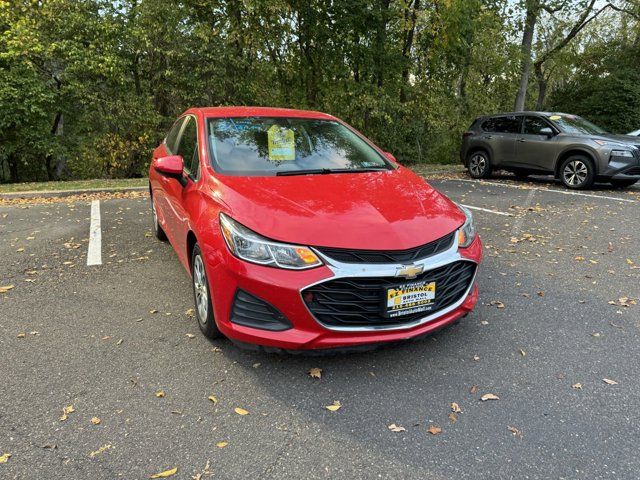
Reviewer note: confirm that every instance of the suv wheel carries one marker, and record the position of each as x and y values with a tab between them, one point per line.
202	296
577	172
479	165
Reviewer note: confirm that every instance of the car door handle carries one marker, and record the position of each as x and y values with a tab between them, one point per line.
522	140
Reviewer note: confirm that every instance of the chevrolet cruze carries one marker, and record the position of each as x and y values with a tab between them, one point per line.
299	233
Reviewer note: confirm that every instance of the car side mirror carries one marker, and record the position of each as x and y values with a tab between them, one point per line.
547	132
390	156
170	166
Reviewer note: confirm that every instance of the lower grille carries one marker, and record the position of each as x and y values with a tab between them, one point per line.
252	312
357	302
632	171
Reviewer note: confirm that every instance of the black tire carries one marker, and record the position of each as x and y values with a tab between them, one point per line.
202	296
577	172
157	229
622	183
479	164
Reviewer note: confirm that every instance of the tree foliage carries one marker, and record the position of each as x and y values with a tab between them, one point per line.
89	87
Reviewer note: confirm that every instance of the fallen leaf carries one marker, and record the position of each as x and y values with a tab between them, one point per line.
335	407
165	474
96	421
489	396
522	352
256	365
473	389
22	335
6	288
497	303
515	431
455	408
190	312
4	458
20	250
476	358
190	335
315	372
241	411
153	311
65	413
452	417
608	381
577	386
434	430
396	429
222	444
160	394
213	399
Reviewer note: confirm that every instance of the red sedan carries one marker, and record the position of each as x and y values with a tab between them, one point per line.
300	233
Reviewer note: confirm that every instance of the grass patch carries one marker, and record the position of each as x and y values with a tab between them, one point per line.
73	185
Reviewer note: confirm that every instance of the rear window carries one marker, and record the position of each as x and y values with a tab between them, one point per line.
258	146
506	124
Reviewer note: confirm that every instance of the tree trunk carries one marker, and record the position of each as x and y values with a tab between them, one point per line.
542	86
533	9
407	46
381	40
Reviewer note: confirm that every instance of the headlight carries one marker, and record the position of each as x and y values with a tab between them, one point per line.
249	246
621	153
467	233
609	142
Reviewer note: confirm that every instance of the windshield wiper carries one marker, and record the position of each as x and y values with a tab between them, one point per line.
325	171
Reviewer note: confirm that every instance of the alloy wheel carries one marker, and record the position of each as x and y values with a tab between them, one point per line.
200	288
575	173
477	165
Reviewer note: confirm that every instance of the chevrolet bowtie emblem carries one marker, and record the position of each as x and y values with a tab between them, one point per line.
409	271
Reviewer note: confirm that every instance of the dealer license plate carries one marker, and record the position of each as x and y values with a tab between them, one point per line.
409	298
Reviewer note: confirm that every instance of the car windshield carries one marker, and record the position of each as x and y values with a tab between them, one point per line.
575	124
259	146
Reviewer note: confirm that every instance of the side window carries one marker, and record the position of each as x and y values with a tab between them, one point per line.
533	125
489	125
508	124
172	136
188	148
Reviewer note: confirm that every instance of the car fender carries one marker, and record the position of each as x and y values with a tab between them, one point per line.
580	149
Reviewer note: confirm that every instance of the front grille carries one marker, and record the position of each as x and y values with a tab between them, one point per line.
389	256
358	302
252	312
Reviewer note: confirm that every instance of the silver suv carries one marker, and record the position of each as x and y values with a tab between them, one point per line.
567	146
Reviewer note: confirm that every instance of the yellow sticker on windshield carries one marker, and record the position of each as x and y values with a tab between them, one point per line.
282	145
555	117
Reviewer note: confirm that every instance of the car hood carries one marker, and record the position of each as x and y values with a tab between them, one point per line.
388	210
624	139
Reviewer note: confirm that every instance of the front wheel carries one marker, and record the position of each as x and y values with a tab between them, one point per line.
202	296
577	172
623	183
479	165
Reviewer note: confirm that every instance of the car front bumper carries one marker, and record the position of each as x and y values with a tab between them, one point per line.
282	290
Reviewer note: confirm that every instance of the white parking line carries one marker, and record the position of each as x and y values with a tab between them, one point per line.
484	182
94	254
487	210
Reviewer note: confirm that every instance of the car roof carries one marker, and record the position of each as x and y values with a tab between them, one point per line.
231	111
528	112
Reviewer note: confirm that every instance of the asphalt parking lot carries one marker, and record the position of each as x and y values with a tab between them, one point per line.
555	336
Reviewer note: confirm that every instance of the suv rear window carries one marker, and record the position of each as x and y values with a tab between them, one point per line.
506	124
